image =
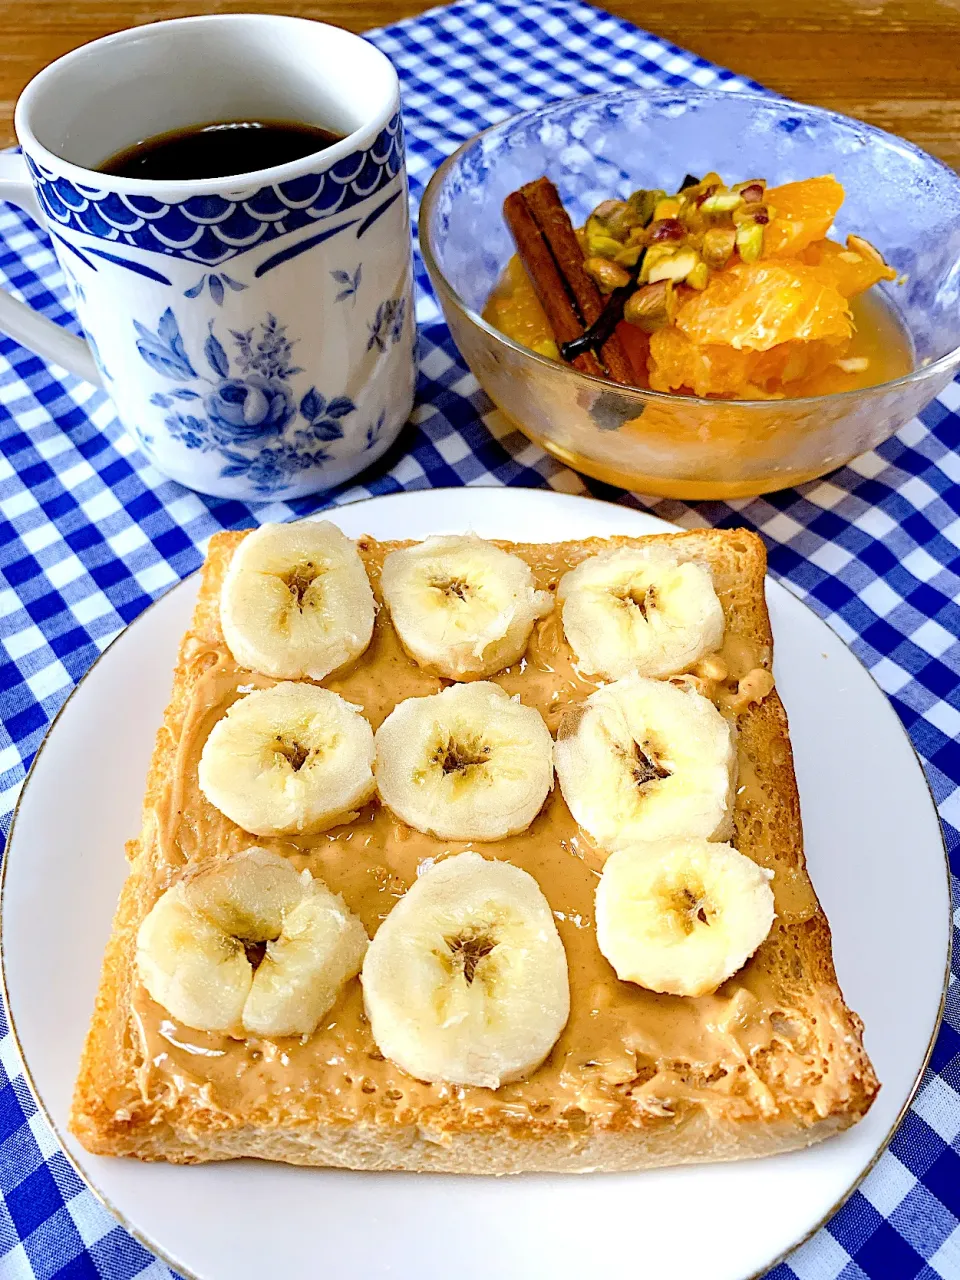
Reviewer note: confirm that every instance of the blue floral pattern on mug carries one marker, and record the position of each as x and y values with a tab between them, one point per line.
349	282
387	327
247	403
373	431
214	281
245	411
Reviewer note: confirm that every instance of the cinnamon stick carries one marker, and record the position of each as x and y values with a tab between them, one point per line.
546	279
543	201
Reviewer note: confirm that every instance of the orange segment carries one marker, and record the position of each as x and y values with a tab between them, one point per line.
715	370
677	363
802	212
794	362
845	268
757	305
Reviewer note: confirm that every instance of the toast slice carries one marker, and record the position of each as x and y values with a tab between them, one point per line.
773	1061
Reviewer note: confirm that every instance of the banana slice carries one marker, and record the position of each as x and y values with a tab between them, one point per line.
640	610
197	948
642	759
296	601
291	760
470	763
682	915
466	979
462	607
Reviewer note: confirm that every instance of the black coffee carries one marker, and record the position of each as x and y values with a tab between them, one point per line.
219	150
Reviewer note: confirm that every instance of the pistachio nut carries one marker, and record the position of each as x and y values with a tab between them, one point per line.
665	229
608	275
698	277
673	264
750	241
706	186
605	210
749	213
718	246
644	202
668	208
629	255
721	201
752	191
614	218
651	307
599	243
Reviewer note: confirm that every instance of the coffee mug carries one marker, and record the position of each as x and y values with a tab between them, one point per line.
255	333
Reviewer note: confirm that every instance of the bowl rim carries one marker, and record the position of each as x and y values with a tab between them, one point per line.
767	101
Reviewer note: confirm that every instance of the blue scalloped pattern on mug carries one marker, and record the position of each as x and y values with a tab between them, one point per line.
212	229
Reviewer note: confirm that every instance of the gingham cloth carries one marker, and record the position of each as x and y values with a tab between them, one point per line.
90	534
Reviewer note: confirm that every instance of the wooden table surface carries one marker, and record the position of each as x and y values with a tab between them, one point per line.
893	63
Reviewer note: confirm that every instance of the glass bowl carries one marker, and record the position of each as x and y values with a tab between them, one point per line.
902	200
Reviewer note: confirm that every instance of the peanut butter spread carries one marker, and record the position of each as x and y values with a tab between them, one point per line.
627	1055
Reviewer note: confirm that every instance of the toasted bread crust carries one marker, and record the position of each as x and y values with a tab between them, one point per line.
108	1119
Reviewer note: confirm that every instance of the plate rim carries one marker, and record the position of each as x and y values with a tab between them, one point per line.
330	513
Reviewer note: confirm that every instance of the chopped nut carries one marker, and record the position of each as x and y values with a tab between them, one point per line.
607	274
603	212
853	364
750	242
754	686
672	264
665	229
629	256
698	277
751	214
696	191
690	682
712	668
651	307
752	192
621	224
644	202
656	253
721	201
615	218
601	245
692	220
668	208
718	246
600	229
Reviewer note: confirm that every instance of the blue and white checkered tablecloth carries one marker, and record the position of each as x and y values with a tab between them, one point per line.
90	534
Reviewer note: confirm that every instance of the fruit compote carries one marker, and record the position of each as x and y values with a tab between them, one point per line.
732	293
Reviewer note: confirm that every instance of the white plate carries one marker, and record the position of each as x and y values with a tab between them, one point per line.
875	854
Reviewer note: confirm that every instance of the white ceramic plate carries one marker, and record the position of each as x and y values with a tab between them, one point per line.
875	854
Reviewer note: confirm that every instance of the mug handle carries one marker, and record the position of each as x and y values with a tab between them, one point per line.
18	320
